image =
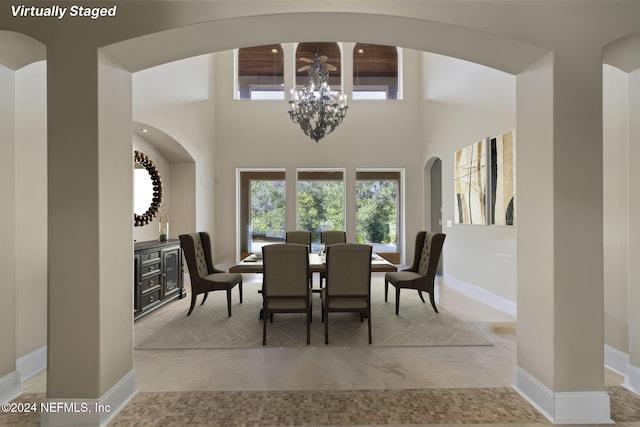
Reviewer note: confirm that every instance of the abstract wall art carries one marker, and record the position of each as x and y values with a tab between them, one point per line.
502	179
470	175
484	174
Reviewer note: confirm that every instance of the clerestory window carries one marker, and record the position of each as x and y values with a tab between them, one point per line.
375	71
260	72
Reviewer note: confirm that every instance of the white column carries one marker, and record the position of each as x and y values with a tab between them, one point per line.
9	377
90	253
632	370
560	245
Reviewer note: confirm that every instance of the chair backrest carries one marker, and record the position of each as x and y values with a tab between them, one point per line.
285	270
428	251
197	253
348	269
300	237
332	237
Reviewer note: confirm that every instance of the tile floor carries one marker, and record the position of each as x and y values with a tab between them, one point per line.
330	368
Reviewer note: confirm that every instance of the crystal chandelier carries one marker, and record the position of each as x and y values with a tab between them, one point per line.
316	108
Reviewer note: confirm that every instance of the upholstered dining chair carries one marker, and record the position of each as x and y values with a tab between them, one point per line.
285	283
331	237
348	286
300	237
422	273
204	276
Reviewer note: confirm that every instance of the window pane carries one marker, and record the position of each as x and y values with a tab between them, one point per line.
267	213
260	69
262	209
320	204
375	71
377	204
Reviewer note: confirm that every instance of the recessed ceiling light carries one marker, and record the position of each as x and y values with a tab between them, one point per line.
144	130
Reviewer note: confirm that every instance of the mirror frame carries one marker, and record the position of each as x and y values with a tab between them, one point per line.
156	182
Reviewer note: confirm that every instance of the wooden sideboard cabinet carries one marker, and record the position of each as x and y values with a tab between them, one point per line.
157	275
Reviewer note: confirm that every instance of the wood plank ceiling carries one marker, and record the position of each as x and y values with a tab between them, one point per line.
369	60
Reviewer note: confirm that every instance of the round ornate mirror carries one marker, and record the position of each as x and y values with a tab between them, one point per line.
147	190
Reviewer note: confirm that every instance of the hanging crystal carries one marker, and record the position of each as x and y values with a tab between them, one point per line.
316	108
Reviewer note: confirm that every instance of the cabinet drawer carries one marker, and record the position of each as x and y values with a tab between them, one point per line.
150	298
152	257
151	269
148	284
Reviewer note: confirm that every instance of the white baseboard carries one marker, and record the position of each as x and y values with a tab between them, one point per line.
618	361
533	391
32	363
632	378
9	387
591	407
482	295
91	412
615	359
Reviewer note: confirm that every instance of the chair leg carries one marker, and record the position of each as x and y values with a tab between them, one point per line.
229	302
309	326
193	302
433	302
264	327
369	319
240	290
397	300
326	327
386	289
206	294
420	293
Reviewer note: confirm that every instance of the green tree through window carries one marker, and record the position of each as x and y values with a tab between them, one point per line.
262	209
268	208
377	204
320	202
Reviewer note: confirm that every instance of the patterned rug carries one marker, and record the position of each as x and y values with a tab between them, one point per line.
461	406
209	326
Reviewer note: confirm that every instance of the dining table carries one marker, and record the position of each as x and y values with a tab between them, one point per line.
253	264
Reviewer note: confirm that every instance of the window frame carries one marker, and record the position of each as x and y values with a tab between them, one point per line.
242	204
400	256
399	80
236	76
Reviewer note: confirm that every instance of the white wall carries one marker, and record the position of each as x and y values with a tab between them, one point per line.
375	134
616	206
31	207
463	103
450	105
176	98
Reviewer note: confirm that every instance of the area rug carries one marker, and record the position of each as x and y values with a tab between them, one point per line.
209	327
460	406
